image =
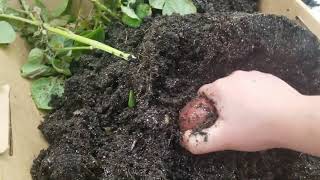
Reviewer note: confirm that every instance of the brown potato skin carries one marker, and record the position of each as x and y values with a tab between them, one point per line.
195	113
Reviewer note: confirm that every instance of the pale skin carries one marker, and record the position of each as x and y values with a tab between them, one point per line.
258	111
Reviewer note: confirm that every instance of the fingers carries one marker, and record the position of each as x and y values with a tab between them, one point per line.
206	141
211	90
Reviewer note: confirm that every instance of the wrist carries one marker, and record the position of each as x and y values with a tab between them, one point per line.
312	108
299	130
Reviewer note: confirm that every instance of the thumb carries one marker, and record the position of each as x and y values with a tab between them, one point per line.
206	141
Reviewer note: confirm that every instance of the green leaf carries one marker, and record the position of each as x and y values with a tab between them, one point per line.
131	2
35	66
143	10
129	12
113	4
3	6
17	25
130	18
97	34
181	7
130	21
36	55
44	11
58	22
60	9
32	71
157	4
57	42
61	66
61	21
132	99
24	5
44	88
7	33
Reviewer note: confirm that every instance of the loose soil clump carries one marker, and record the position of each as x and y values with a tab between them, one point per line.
94	135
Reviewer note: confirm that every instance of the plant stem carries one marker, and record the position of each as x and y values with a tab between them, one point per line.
105	17
93	43
76	48
35	23
70	35
104	8
25	7
18	10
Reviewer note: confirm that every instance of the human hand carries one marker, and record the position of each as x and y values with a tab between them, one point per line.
254	108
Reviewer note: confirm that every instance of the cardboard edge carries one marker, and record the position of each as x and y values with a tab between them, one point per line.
292	9
4	117
305	15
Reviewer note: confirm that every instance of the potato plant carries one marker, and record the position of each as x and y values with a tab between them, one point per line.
60	36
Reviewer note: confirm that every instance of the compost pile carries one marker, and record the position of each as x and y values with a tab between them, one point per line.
94	135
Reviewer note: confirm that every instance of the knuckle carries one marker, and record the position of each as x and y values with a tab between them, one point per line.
255	71
203	89
238	72
193	148
191	143
218	83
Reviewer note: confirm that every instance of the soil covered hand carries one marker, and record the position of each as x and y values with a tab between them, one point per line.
254	109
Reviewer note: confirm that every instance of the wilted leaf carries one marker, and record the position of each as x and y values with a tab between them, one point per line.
7	33
62	7
44	88
35	67
130	18
61	66
181	7
157	4
143	10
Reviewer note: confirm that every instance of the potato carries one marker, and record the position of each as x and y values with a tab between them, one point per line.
198	113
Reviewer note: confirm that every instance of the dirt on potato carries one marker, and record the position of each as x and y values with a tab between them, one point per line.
93	135
197	114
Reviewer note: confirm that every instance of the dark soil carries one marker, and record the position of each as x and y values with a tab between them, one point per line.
94	135
311	3
212	6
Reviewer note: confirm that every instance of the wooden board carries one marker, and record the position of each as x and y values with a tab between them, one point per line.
27	140
293	9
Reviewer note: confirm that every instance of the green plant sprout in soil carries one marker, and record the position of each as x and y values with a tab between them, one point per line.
62	35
